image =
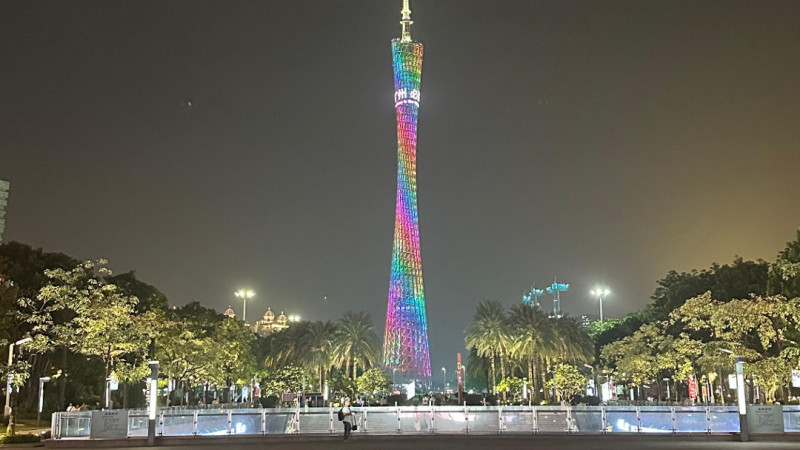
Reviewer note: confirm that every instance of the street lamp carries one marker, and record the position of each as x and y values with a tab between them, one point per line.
42	381
444	379
740	395
152	409
7	411
244	294
594	378
600	293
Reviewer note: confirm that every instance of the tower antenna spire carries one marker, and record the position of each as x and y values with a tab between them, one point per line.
406	22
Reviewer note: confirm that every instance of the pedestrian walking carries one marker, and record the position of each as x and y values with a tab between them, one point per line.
347	418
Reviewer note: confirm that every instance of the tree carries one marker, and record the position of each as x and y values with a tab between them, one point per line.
513	386
567	380
187	357
374	380
319	343
233	355
784	274
200	319
150	298
96	320
287	379
488	334
355	343
532	338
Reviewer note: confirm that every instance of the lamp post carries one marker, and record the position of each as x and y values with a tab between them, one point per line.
600	293
153	406
42	381
7	410
669	397
740	394
444	379
594	378
244	294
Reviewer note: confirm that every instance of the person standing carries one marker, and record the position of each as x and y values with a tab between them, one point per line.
348	417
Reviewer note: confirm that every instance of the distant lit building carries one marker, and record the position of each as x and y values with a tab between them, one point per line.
270	324
4	186
229	313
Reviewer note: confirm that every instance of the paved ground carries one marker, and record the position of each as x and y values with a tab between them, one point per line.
469	443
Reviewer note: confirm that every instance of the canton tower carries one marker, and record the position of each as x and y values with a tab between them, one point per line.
405	346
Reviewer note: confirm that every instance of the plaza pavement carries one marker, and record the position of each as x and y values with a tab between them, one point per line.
454	442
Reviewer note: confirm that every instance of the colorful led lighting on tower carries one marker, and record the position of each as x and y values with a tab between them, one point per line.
405	346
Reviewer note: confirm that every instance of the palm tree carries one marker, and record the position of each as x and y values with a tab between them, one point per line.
532	336
487	334
287	347
355	343
319	344
574	343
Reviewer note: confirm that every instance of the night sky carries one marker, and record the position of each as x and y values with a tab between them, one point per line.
218	145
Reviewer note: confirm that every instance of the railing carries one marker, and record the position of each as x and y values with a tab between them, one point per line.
388	420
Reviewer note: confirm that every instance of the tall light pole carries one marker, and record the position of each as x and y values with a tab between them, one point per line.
152	408
42	381
740	395
7	410
600	293
244	294
444	380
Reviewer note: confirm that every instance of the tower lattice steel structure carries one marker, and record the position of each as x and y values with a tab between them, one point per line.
405	346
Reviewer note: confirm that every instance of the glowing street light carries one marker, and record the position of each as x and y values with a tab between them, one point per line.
600	293
444	379
7	411
244	294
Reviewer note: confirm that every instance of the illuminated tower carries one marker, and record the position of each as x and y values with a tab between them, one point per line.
405	346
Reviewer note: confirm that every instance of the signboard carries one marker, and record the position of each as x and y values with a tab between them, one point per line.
796	378
692	387
765	419
732	381
110	424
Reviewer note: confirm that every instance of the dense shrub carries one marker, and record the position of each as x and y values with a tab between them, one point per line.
20	439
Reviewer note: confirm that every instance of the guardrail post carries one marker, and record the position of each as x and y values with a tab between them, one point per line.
708	420
263	422
433	416
161	423
638	419
674	419
194	424
569	419
603	419
230	419
535	420
297	421
466	418
397	413
364	416
330	418
500	419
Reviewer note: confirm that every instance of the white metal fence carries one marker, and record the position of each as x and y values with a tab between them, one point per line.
429	419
